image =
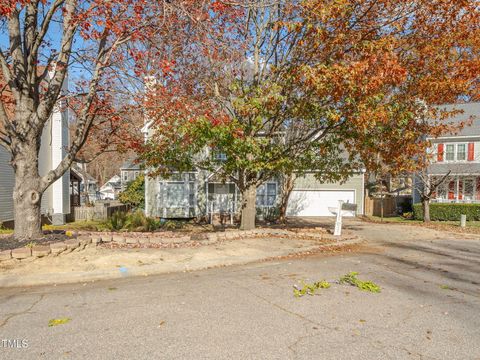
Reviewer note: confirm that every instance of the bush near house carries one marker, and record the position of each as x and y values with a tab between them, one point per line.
138	221
134	194
448	212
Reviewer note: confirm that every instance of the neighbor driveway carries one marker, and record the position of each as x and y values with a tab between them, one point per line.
429	308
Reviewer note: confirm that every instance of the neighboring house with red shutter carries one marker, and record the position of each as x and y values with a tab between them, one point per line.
459	154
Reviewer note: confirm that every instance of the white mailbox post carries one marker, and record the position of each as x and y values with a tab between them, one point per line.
343	209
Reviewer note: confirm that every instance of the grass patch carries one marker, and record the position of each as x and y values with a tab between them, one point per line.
351	279
4	231
78	226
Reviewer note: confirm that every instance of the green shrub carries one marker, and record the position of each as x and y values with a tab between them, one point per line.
137	221
448	212
269	214
170	225
116	221
134	194
132	221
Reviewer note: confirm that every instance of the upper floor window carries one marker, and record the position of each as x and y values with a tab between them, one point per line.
456	152
461	152
450	152
219	156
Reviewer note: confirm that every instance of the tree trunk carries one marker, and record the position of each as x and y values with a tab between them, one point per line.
85	185
426	210
27	194
249	198
287	187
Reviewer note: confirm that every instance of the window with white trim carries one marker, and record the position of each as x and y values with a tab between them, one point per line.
455	152
178	192
267	194
462	152
450	152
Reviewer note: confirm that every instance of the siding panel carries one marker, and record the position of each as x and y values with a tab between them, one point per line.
7	181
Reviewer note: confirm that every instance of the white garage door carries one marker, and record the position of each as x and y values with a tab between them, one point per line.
317	202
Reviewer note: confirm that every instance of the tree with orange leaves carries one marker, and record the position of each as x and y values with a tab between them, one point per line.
91	41
313	72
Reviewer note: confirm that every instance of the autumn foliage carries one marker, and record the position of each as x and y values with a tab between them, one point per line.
364	75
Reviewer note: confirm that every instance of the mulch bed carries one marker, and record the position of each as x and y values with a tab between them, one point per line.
9	243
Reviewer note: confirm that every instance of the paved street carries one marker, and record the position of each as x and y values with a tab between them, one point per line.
429	308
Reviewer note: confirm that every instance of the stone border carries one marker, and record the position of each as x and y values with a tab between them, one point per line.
80	241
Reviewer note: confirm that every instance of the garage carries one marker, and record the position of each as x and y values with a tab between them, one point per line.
317	202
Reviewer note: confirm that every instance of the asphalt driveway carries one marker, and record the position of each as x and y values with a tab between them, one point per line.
429	308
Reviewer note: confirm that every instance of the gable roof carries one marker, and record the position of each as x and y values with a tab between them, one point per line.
80	173
470	111
130	165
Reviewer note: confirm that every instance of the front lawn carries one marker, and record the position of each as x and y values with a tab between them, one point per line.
79	226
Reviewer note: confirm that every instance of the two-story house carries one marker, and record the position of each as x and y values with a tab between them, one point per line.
457	154
201	193
129	171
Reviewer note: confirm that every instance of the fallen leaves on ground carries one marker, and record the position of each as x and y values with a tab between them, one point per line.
60	321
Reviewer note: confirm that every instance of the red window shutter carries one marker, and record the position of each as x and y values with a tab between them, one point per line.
440	152
460	190
451	190
471	151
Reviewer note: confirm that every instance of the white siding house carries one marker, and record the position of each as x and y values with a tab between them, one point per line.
54	143
457	154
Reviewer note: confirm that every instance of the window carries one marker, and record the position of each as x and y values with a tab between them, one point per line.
178	195
442	190
271	194
261	195
450	152
467	188
219	156
175	195
125	176
461	152
267	194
